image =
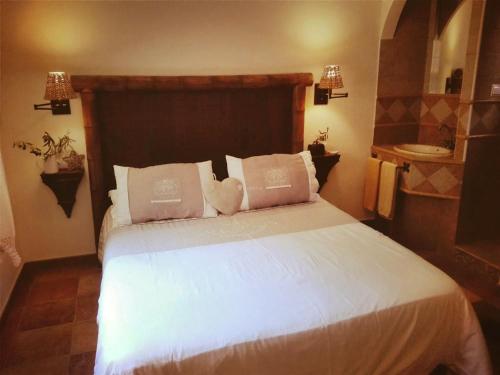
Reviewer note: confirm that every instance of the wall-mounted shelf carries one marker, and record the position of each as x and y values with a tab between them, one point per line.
64	185
324	163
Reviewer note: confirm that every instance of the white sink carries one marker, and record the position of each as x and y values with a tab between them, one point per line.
423	150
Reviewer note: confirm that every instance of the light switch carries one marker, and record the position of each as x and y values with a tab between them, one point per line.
495	89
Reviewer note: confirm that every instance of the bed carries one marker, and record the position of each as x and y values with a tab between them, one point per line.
298	289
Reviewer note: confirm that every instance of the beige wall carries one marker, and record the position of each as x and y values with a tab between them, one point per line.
163	38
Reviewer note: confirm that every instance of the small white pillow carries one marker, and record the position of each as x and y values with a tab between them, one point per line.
169	191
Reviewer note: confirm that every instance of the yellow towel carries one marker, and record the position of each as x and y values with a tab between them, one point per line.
371	184
387	189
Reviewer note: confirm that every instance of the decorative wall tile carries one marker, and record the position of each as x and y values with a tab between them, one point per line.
428	169
413	178
397	110
485	118
414	108
442	180
439	109
434	178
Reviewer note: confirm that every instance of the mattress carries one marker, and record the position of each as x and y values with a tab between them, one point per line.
302	289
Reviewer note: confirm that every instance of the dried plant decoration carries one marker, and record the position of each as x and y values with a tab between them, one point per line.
62	150
50	146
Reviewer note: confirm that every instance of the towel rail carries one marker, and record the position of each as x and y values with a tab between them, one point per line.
405	167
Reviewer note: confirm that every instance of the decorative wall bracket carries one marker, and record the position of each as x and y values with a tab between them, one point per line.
324	163
64	185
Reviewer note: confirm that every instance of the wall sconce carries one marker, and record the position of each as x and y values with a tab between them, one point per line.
330	79
58	90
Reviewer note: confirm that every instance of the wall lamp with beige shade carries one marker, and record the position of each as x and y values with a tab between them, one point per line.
59	91
330	80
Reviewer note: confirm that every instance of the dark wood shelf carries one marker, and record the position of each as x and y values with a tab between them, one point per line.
64	185
324	163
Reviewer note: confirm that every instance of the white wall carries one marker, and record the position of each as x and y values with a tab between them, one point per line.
165	38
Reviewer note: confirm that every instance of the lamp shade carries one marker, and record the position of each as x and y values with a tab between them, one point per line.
58	87
331	78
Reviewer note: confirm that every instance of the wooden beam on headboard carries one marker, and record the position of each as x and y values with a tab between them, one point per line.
161	83
145	120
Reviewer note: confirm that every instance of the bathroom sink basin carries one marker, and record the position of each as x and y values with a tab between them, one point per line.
423	150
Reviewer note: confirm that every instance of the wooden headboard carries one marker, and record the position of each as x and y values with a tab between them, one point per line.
143	120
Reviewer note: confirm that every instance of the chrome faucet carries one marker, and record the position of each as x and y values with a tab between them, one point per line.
450	142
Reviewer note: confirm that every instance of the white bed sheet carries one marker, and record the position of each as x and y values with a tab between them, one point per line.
293	290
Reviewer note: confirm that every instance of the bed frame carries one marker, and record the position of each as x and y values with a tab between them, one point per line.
140	121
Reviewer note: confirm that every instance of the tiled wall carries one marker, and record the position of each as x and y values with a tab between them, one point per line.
396	119
480	207
426	224
401	76
434	179
485	118
415	118
403	58
435	110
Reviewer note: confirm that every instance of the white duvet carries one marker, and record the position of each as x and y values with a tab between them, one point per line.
294	290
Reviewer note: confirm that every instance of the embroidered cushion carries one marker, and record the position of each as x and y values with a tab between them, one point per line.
168	191
275	180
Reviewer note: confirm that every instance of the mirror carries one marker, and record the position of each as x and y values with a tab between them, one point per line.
450	46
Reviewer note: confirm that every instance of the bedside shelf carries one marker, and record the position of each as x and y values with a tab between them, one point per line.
64	185
324	163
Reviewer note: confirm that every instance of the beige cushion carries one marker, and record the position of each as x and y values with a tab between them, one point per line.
274	180
225	196
168	191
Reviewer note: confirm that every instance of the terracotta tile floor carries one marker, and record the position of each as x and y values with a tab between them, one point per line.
50	327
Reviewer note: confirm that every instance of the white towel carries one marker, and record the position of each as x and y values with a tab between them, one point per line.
387	190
